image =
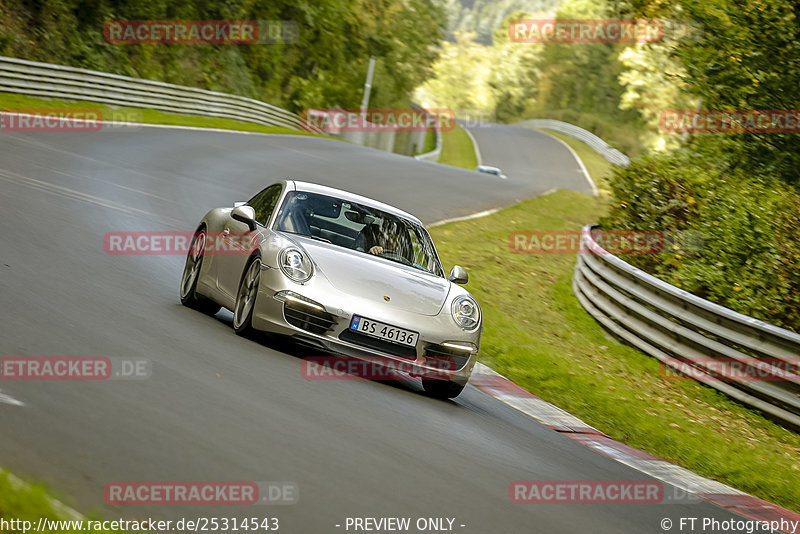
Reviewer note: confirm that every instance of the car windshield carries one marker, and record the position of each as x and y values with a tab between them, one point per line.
358	227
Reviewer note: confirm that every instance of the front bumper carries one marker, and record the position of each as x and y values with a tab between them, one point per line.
442	349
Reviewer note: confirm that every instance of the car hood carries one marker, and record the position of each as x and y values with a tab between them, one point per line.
361	275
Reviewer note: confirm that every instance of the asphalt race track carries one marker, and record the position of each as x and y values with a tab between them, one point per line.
527	155
220	407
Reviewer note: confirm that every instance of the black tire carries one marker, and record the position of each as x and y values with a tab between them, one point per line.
442	389
191	273
246	298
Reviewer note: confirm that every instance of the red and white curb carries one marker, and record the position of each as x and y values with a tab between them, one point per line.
503	389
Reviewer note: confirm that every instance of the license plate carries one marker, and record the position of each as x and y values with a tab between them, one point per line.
383	331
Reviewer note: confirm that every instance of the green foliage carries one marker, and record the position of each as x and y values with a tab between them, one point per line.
326	67
746	57
748	229
582	78
459	78
470	77
577	83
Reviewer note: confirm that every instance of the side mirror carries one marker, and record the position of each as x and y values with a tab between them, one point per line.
458	275
245	214
237	204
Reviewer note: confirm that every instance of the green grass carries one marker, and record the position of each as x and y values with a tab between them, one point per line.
537	334
29	502
457	149
15	102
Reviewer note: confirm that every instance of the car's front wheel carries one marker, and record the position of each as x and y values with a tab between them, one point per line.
442	389
191	273
246	298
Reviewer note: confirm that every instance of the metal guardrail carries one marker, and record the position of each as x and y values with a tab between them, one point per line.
433	155
58	81
70	83
598	145
681	329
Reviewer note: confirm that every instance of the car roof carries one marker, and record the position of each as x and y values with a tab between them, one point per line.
352	197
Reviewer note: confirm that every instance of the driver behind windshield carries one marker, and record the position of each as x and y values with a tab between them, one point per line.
386	238
383	239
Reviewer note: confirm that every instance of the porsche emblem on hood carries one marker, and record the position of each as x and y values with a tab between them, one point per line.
386	298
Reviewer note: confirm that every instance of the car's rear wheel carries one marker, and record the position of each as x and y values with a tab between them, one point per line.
246	298
442	389
191	273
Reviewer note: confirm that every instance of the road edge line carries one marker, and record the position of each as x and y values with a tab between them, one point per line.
475	147
595	191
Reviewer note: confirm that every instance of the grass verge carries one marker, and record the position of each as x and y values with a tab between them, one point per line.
458	150
30	502
16	102
538	335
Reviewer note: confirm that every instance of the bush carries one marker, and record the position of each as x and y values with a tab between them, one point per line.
749	228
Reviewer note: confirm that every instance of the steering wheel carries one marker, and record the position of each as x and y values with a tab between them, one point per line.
396	256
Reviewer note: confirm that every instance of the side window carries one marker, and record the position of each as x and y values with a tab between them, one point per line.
264	203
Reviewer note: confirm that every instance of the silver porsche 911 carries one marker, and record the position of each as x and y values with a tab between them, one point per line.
339	272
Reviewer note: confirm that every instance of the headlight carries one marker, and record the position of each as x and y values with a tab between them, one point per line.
466	313
295	265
